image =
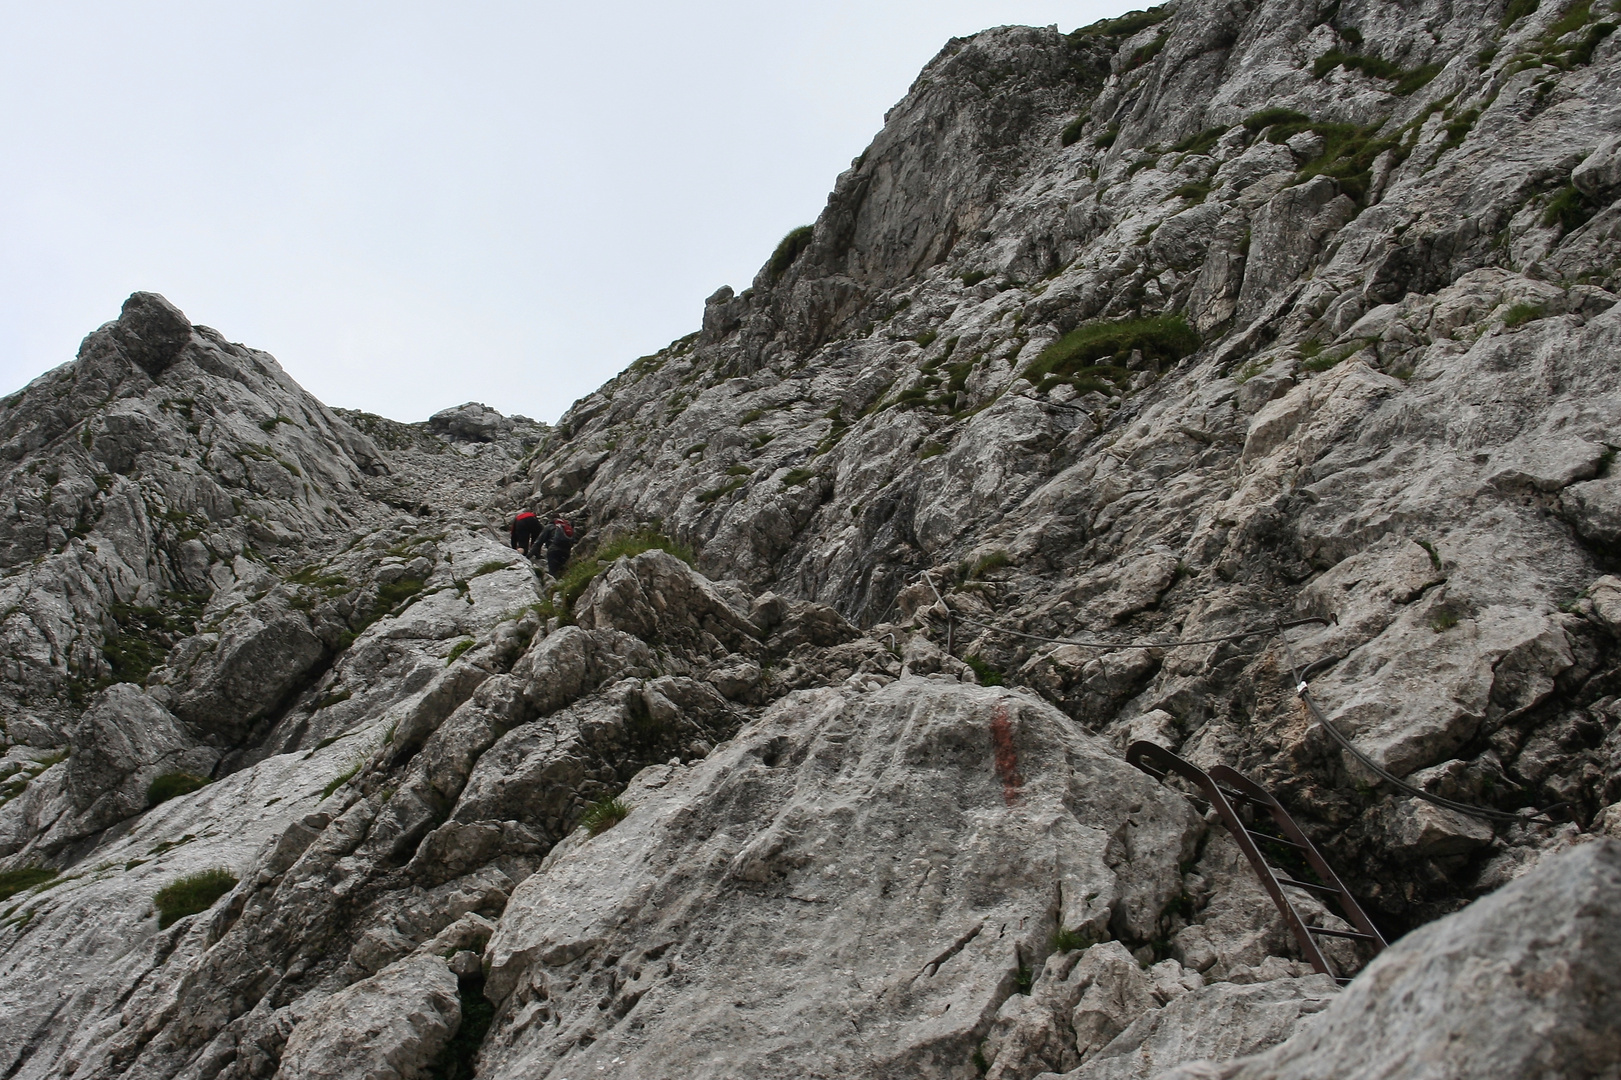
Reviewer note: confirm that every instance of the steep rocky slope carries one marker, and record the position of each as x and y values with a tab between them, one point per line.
1176	328
1182	324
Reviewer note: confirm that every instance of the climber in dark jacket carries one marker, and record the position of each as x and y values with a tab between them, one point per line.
558	537
526	529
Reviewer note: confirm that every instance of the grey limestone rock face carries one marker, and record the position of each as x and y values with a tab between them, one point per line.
723	911
474	422
1522	983
656	596
391	1026
124	741
1133	371
151	331
1218	1022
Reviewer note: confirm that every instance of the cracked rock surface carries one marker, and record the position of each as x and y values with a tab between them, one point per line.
1155	334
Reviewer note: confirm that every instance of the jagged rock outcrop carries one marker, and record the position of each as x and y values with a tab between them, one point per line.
1115	351
1523	983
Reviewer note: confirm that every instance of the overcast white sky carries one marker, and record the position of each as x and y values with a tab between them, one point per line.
414	205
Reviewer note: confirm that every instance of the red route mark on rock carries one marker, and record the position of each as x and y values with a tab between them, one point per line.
1007	759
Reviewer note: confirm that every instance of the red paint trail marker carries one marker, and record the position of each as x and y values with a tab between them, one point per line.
1007	759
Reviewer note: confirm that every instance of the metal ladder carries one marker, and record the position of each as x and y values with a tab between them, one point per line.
1223	787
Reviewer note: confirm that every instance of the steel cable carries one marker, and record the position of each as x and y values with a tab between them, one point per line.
1106	645
1301	690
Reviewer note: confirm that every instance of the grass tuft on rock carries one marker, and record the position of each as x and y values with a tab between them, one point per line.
1199	143
1259	121
987	673
1517	10
1520	314
191	894
789	249
1569	209
343	778
397	592
604	814
1407	81
1162	338
1193	192
1132	22
15	881
170	785
585	569
1071	940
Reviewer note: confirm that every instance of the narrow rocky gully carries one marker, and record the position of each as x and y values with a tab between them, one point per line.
1241	379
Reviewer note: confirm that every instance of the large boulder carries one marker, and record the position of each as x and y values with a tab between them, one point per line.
472	422
1220	1021
262	656
661	599
152	331
124	741
388	1027
855	883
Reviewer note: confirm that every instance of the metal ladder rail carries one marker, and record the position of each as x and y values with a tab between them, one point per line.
1157	762
1350	910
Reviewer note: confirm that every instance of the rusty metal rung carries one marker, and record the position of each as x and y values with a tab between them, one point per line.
1326	890
1223	787
1357	934
1274	839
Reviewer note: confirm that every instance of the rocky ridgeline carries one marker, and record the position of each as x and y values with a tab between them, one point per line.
1181	326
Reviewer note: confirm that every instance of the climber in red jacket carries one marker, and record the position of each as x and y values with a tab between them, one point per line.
526	529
